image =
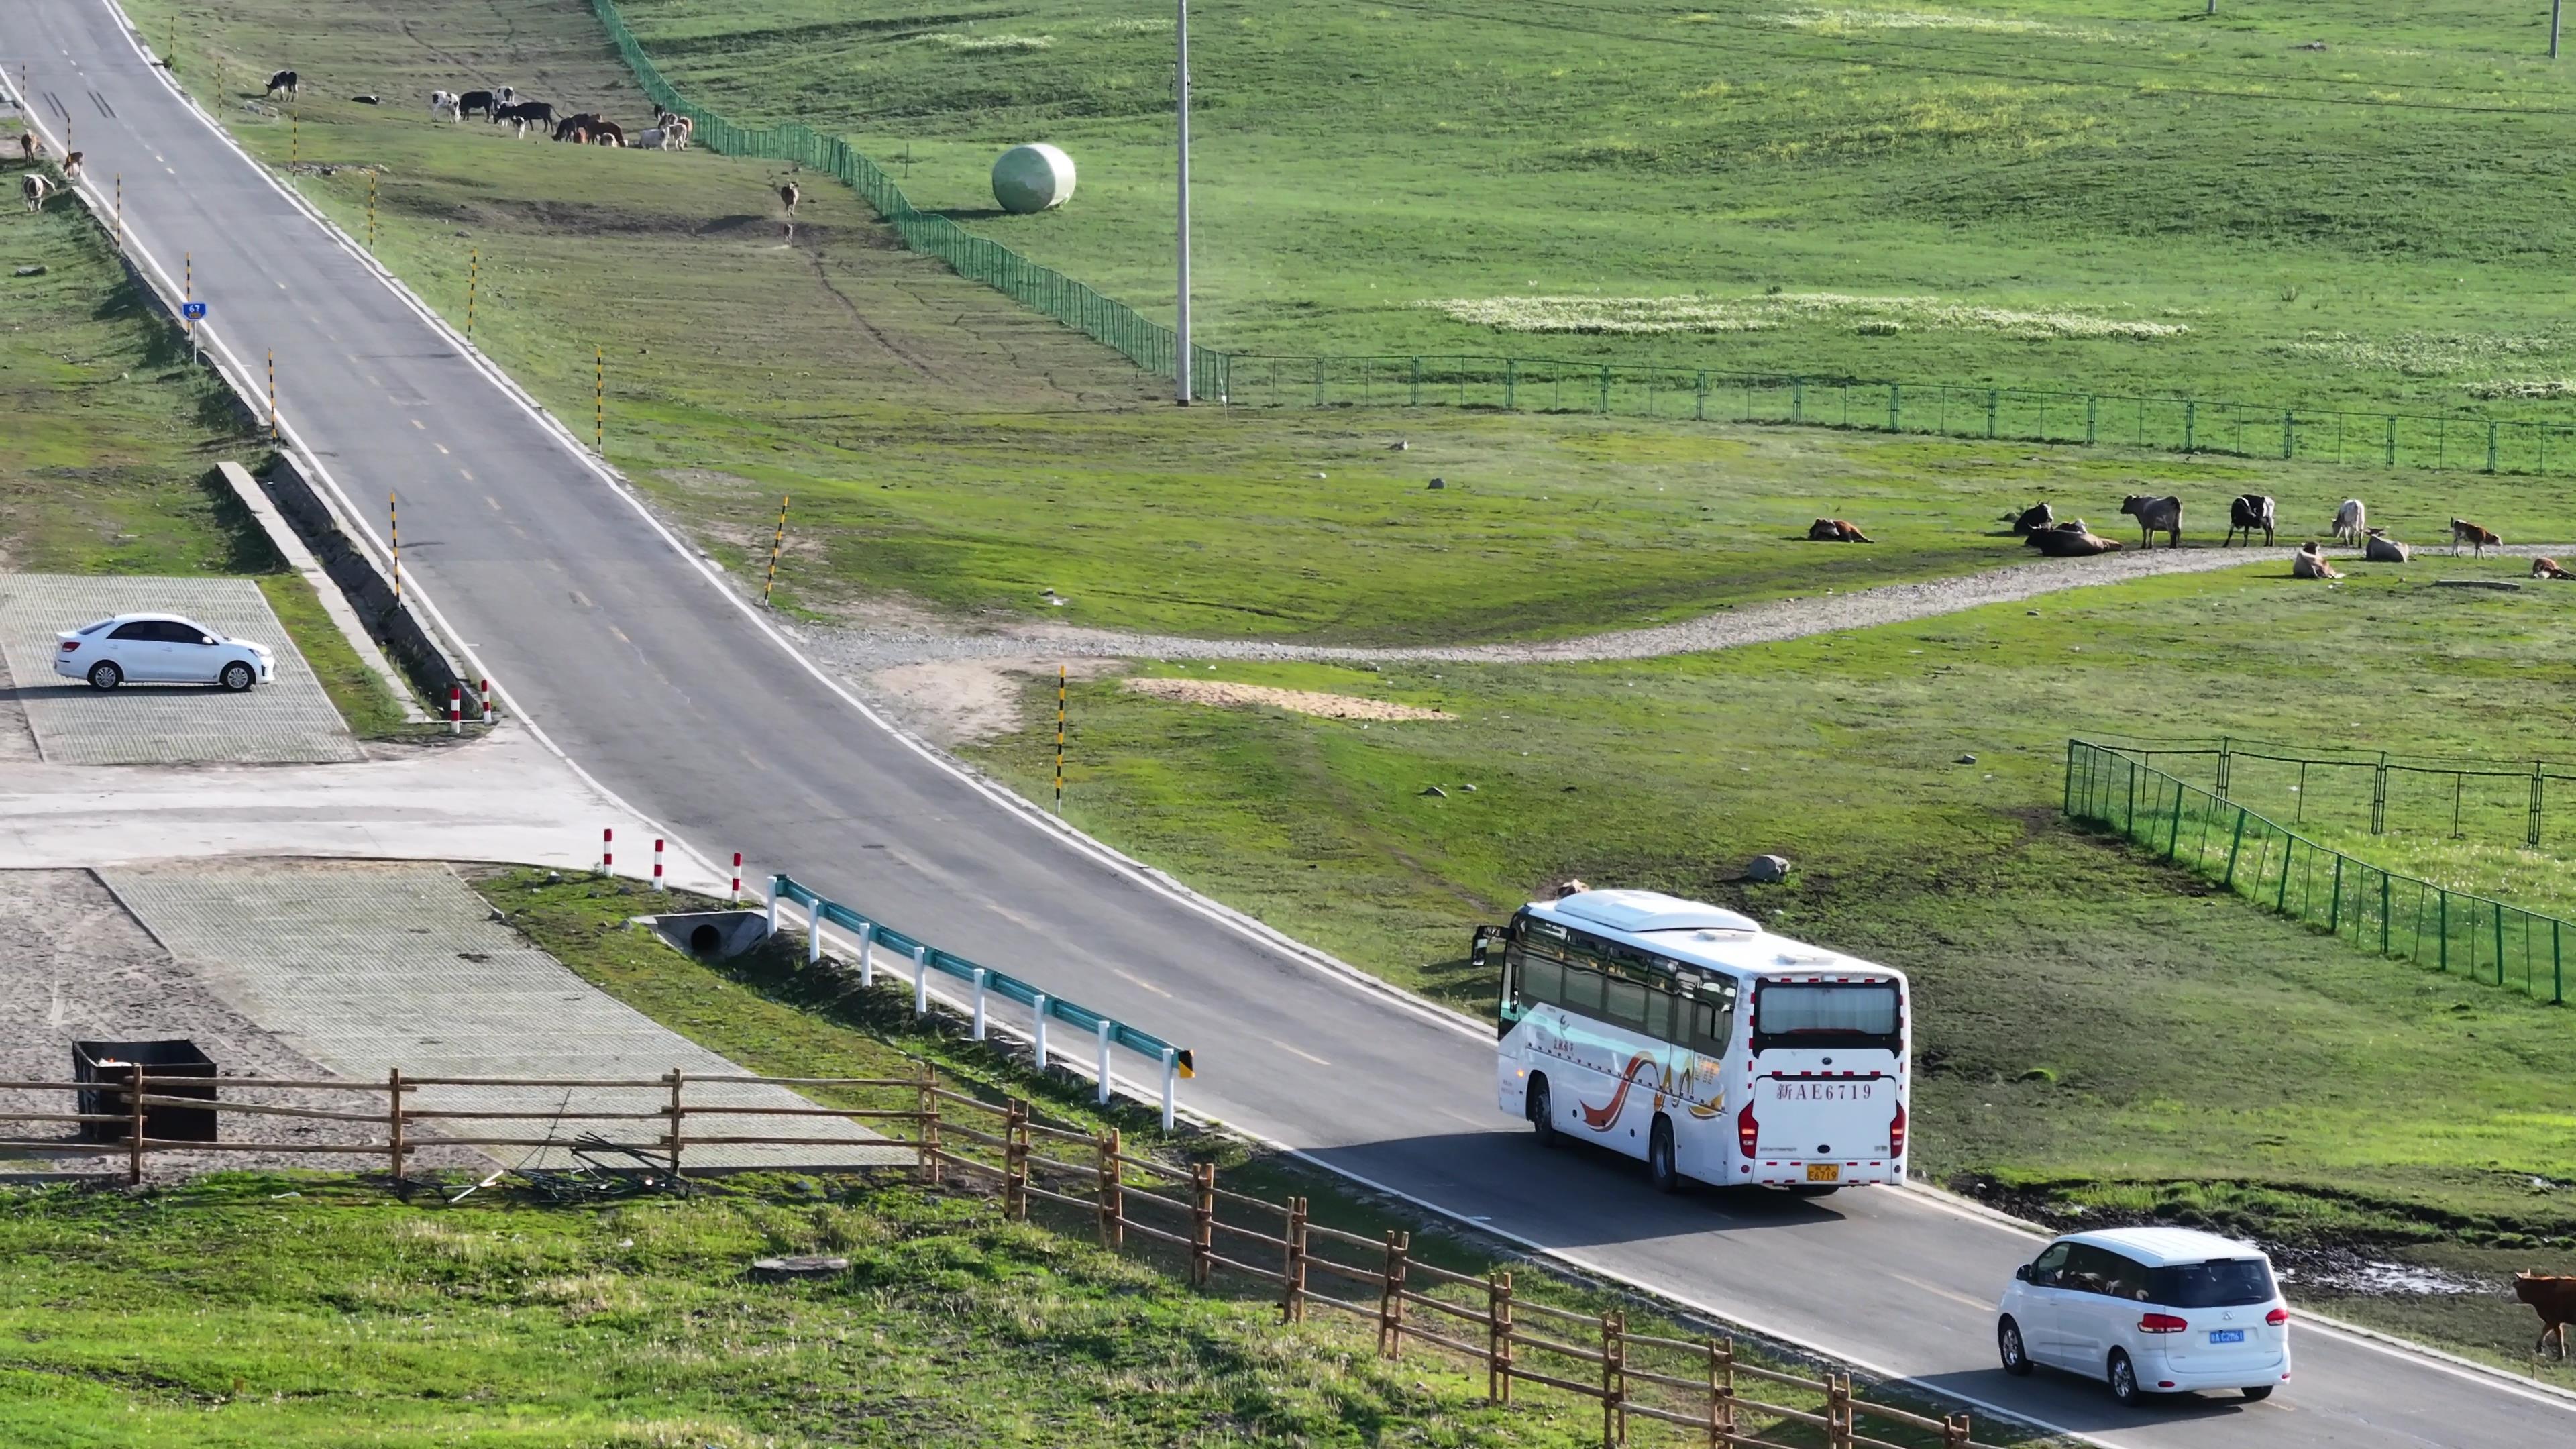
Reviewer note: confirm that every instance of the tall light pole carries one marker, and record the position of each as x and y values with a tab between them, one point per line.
1181	333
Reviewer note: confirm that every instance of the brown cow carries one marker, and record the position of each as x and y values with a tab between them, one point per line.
2554	1299
29	147
2547	568
2310	563
1836	530
2479	539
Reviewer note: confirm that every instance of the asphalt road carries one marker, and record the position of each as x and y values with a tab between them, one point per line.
642	668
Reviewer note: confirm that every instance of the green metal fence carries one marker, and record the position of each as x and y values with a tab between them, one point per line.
2378	910
2169	424
1148	344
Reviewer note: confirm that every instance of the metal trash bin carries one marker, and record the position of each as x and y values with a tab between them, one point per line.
111	1064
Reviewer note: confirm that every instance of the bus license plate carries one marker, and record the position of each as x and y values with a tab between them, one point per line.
2227	1335
1824	1172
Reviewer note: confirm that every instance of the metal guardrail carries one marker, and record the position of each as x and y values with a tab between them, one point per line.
983	982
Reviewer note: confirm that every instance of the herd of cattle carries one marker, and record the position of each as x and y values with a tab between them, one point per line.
670	130
2249	513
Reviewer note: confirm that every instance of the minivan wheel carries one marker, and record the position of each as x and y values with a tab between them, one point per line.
238	676
2258	1393
1660	1167
2124	1379
1542	1113
2008	1343
105	675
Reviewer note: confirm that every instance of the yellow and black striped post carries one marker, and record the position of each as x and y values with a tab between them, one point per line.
1059	739
272	394
599	401
188	293
371	211
775	545
294	138
393	512
120	212
473	284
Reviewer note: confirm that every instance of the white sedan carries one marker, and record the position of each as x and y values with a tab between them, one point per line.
160	649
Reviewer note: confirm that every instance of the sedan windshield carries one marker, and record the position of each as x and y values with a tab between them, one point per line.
2219	1283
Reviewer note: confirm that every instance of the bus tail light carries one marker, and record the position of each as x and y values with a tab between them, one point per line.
2161	1323
1896	1133
1745	1129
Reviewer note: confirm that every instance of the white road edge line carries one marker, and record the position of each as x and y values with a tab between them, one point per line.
1104	854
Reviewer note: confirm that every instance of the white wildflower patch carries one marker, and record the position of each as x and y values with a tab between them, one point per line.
1134	25
2523	389
955	41
1846	20
2424	354
1870	316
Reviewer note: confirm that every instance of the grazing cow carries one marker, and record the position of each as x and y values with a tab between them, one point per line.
2075	542
29	147
35	188
660	138
285	80
2246	513
507	95
681	130
2351	522
788	195
2554	1298
476	103
2310	563
2547	568
2156	515
72	165
2380	548
580	121
524	114
2037	516
1836	530
607	133
442	103
2478	539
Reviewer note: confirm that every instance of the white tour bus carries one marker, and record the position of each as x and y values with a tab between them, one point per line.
1687	1035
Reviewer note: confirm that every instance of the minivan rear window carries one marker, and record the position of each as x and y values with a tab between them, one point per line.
2219	1283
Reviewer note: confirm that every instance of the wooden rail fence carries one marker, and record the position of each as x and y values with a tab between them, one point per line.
1176	1211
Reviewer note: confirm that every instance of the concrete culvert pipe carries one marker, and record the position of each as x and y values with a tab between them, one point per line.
1029	179
705	939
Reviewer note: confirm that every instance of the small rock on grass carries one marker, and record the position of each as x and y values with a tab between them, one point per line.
1967	759
1765	869
34	271
1435	791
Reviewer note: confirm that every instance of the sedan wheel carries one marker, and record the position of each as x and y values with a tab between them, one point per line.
105	675
238	676
2008	1341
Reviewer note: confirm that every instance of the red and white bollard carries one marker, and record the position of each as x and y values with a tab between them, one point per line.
736	898
456	709
657	864
485	688
607	861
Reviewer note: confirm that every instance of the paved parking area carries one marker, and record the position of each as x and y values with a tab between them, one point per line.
289	720
363	967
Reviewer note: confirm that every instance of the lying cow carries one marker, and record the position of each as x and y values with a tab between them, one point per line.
2034	518
2380	548
2070	525
2555	1300
1836	530
2076	542
2155	515
2310	563
2479	539
2547	568
2245	513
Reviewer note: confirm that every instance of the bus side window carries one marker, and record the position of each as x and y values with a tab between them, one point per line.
1626	1004
1659	1014
1539	982
1710	1022
1582	991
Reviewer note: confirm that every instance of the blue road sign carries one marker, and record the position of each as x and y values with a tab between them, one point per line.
192	310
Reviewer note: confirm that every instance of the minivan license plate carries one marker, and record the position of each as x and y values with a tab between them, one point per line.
1824	1172
2227	1335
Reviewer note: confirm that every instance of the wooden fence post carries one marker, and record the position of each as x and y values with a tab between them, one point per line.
1292	1277
1202	1223
1721	1392
1838	1411
1614	1379
675	1121
1015	1160
134	1129
1390	1298
930	1124
1498	1339
1954	1432
394	1120
1113	1199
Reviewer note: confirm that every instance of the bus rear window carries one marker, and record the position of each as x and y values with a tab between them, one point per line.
1787	1013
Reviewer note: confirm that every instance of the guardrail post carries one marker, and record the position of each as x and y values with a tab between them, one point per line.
769	926
1015	1160
980	975
134	1129
814	932
1113	1195
1390	1295
675	1121
1955	1432
868	955
1171	1072
1838	1411
929	1114
1614	1380
1721	1392
1103	1098
1292	1272
920	981
394	1120
1037	1033
1202	1223
1498	1338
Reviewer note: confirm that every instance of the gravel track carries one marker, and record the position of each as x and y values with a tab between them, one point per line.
865	649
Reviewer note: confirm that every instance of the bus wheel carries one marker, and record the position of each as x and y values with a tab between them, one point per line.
1660	1169
1542	1113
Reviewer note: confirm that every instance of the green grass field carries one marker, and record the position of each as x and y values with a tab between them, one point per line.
107	463
2029	194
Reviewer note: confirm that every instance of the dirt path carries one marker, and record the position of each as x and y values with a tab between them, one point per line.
866	650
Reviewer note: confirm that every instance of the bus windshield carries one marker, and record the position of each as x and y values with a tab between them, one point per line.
1842	1014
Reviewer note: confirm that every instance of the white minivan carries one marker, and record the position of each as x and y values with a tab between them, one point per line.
2149	1311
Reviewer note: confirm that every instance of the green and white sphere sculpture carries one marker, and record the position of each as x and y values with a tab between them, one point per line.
1032	179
